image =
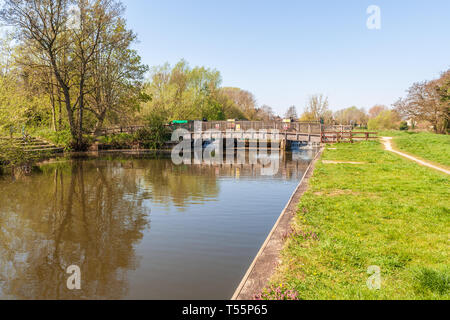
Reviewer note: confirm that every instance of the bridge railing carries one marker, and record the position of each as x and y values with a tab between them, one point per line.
337	128
306	127
314	128
120	129
347	136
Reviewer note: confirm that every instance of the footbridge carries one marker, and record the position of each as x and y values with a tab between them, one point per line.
283	132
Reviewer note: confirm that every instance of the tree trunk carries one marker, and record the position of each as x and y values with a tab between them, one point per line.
66	93
59	111
99	124
80	113
52	100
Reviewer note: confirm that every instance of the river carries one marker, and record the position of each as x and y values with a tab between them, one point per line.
138	226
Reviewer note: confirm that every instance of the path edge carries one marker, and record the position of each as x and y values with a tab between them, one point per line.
389	145
263	265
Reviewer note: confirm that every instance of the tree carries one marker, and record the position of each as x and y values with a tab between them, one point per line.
351	116
376	110
42	28
117	77
443	89
244	100
443	86
185	93
265	113
317	109
68	40
386	120
21	101
230	109
291	113
428	101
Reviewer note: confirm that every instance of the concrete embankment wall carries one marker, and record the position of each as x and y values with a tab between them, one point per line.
263	266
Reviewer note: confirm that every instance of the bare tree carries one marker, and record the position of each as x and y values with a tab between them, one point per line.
291	113
317	109
265	113
424	102
376	110
351	116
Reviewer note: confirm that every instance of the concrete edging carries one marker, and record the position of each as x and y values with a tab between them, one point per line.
263	265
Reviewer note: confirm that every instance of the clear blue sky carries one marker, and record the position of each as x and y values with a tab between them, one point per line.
283	51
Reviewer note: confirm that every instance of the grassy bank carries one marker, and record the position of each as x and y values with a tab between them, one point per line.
428	146
11	155
388	212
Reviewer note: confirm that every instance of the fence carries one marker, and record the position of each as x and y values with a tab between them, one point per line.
347	136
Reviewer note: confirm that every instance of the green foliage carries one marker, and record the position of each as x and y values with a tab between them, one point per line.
369	214
61	138
386	120
404	126
157	133
189	93
12	155
119	141
153	136
18	106
93	76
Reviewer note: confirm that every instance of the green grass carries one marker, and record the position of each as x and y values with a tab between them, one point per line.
426	145
61	138
388	212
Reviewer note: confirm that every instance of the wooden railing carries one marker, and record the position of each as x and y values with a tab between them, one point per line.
304	127
347	136
120	129
337	128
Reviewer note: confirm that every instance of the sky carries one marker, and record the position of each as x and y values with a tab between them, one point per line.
284	51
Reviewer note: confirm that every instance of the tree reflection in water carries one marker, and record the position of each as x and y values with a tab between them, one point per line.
93	214
88	214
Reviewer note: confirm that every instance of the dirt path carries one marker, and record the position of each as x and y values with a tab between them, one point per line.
387	141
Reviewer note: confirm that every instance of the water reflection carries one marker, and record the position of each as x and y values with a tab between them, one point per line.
94	213
79	214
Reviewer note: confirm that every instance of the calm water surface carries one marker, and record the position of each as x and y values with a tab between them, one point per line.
139	227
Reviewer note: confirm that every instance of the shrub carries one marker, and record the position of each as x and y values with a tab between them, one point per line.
404	126
12	155
61	138
82	145
118	141
155	135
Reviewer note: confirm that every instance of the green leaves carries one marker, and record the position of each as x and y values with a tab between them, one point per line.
182	92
